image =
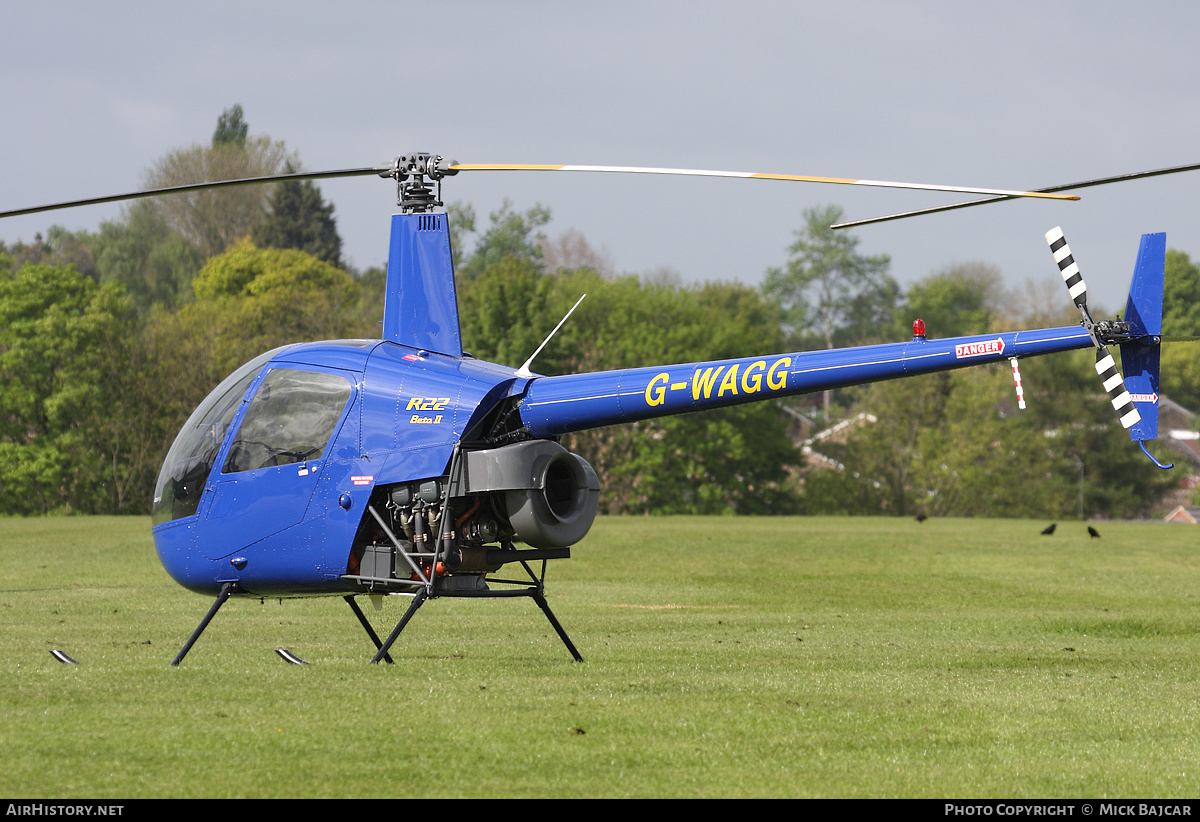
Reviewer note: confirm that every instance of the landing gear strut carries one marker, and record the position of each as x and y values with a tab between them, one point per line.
447	587
226	589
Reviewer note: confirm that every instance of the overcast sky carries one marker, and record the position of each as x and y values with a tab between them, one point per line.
1005	95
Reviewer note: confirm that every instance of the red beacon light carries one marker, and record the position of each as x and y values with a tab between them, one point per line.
918	331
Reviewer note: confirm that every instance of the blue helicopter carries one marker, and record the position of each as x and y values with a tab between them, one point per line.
405	466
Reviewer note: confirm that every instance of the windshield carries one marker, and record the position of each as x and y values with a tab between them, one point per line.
186	468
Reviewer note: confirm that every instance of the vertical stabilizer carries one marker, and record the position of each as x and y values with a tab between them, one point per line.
420	309
1143	312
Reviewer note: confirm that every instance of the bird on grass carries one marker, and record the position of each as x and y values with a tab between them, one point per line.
1095	534
921	517
1049	529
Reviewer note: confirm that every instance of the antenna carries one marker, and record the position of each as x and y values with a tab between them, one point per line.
524	371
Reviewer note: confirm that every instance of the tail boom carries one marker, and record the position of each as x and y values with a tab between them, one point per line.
559	405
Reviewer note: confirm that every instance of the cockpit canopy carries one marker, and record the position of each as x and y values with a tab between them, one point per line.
290	419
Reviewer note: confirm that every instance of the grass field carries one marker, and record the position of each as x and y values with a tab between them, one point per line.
725	657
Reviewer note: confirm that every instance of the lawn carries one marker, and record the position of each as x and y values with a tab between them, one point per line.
725	657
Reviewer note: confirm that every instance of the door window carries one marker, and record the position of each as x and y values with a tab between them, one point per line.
291	419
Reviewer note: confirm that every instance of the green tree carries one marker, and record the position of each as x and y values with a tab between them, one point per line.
140	251
59	247
729	461
827	289
231	128
298	217
829	293
213	219
64	342
1180	374
959	300
983	457
510	234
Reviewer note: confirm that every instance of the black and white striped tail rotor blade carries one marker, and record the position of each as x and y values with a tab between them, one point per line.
1068	268
1114	384
1106	367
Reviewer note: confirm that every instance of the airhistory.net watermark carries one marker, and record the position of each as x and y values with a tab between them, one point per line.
51	809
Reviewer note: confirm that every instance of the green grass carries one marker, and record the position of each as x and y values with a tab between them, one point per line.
725	657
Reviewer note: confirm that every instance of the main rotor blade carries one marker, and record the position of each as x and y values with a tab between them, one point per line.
1120	178
243	181
694	172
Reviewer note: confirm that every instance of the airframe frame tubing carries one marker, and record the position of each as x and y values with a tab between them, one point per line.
226	590
395	542
362	618
417	602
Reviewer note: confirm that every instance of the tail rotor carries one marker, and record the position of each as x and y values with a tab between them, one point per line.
1138	335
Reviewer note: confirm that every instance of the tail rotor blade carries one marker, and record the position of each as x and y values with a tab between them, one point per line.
1106	367
1114	384
1068	268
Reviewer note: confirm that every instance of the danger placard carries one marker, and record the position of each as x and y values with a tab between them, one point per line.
1144	397
979	349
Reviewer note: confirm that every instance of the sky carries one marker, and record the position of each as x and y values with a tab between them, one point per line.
1008	95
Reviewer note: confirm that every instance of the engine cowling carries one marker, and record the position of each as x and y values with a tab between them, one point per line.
550	494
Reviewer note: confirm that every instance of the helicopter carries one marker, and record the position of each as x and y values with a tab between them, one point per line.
405	466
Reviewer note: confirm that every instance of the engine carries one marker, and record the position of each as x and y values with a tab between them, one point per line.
535	492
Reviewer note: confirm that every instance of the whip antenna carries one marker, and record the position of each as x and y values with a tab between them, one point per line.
524	371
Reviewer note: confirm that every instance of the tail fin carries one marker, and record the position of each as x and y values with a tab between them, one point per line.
1143	312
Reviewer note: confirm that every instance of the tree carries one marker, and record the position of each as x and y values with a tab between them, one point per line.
231	128
63	352
212	219
571	251
734	460
511	234
298	217
1180	375
959	300
58	248
827	287
140	251
828	290
247	301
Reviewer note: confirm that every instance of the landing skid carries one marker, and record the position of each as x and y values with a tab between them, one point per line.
442	587
446	587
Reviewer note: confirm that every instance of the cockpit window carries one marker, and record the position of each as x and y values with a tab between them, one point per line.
186	468
290	419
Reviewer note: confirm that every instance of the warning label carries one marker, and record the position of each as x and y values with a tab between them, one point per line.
979	349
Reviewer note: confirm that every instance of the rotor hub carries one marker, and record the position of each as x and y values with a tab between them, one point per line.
415	175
